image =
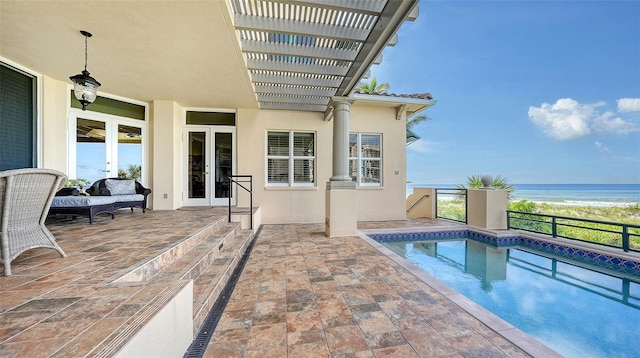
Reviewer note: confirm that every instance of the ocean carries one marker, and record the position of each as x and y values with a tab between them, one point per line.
568	194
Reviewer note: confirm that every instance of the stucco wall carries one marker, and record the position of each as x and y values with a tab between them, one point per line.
54	133
283	204
306	204
166	120
389	201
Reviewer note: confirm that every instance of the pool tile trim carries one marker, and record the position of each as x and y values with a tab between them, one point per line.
591	255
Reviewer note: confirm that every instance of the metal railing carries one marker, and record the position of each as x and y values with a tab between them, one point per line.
455	208
618	235
426	196
239	180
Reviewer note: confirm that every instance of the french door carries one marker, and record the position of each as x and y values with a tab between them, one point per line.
105	146
210	161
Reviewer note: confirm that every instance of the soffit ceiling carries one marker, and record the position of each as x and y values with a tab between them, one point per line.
215	54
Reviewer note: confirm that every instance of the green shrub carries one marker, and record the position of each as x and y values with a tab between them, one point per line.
594	232
452	210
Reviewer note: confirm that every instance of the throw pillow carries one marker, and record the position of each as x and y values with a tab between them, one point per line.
121	187
68	192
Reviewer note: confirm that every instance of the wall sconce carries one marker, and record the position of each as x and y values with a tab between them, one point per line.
85	86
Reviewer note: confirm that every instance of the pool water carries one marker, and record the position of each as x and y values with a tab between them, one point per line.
576	311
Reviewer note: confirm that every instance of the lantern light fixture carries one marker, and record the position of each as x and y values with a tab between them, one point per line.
85	87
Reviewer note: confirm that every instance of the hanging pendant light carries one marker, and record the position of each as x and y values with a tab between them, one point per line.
85	86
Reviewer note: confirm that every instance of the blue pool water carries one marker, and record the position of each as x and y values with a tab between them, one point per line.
576	311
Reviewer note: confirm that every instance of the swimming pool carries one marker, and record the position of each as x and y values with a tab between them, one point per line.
588	307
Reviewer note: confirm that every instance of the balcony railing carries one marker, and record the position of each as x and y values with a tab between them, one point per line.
618	235
245	182
451	204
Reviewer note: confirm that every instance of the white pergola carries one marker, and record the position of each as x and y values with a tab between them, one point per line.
301	53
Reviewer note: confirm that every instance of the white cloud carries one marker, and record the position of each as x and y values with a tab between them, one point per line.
566	119
601	147
608	123
421	146
629	105
569	119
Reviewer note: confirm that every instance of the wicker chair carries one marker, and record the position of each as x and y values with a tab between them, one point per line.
25	198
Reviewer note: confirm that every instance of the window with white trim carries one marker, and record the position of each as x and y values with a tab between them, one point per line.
365	158
291	158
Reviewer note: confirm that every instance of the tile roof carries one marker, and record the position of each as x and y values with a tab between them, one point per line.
425	95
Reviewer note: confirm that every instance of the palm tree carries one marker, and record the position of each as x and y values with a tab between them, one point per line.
499	182
132	172
373	87
414	120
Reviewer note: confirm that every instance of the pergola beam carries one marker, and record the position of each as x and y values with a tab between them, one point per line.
274	48
369	7
293	107
291	79
268	24
295	90
267	65
274	98
390	20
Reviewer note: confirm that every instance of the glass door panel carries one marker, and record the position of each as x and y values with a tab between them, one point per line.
91	150
197	151
223	164
129	152
105	146
210	161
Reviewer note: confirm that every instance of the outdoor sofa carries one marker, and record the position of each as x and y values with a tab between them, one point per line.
105	196
69	201
128	193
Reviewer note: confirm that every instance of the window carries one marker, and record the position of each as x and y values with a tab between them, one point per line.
290	158
365	159
17	119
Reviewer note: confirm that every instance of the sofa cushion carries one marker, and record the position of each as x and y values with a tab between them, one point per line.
129	197
81	200
121	187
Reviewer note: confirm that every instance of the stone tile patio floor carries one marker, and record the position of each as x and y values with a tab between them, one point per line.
302	294
66	307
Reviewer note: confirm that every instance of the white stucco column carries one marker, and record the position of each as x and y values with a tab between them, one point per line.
341	199
341	113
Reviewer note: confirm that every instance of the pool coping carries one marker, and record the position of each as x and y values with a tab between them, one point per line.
511	333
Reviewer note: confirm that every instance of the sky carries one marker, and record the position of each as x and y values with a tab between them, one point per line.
535	91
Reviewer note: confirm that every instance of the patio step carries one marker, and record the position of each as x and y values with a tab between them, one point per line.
208	286
197	274
210	265
168	257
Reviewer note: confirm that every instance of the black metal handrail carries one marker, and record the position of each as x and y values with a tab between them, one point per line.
553	225
460	193
239	180
425	196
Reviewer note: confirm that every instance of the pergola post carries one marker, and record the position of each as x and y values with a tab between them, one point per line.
341	204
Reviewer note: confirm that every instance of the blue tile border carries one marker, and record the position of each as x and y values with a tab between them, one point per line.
611	262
